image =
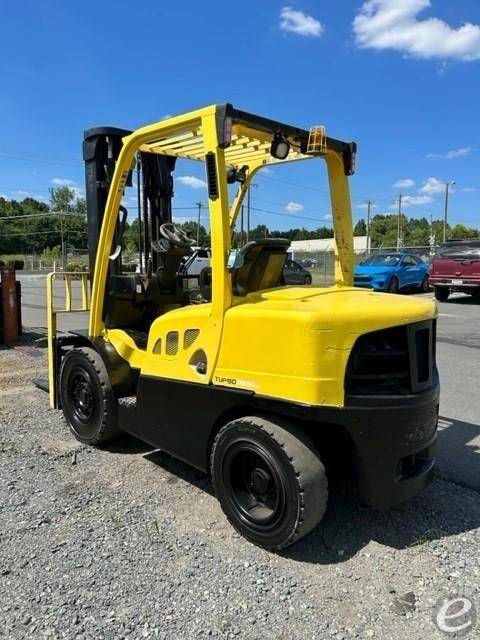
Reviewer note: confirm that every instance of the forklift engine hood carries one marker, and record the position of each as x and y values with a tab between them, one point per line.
355	307
294	342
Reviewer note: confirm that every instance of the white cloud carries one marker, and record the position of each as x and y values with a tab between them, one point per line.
62	182
4	196
433	186
166	116
327	216
394	24
412	201
404	184
300	23
469	189
192	181
364	205
451	155
294	207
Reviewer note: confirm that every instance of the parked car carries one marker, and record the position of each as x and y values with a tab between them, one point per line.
392	272
294	273
194	263
456	267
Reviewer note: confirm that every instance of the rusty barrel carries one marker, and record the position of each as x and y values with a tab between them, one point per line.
10	305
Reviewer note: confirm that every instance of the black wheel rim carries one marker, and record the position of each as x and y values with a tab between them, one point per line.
82	393
254	485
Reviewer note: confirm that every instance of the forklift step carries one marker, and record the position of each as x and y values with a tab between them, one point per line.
41	383
129	403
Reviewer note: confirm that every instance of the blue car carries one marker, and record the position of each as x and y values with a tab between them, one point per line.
392	272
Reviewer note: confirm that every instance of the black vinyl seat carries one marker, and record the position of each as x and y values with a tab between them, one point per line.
263	263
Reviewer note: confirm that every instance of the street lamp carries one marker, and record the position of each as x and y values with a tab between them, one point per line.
447	190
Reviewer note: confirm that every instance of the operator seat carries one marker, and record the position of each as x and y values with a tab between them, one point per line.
263	263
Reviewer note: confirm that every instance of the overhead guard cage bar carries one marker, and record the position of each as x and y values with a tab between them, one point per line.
222	136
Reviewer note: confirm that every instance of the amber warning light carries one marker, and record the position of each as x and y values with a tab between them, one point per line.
317	140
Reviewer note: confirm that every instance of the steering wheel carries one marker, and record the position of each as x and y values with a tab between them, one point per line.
176	235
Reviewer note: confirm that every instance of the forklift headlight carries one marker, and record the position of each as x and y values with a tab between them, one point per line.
280	147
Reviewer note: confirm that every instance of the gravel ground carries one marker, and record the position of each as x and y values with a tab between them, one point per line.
126	542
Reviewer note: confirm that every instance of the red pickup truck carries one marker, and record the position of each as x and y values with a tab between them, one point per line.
456	267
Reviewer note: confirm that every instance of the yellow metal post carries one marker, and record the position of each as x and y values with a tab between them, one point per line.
342	219
68	292
237	203
52	332
219	223
84	291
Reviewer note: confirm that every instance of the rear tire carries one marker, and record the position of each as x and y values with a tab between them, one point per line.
87	398
425	286
307	280
393	285
270	481
442	293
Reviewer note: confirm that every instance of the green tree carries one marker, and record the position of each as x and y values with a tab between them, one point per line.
462	232
190	227
80	206
62	199
360	229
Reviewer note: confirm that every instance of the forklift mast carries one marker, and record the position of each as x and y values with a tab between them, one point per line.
101	148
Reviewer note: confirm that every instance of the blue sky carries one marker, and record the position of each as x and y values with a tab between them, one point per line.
398	76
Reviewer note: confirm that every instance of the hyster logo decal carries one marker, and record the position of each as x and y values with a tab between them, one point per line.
225	380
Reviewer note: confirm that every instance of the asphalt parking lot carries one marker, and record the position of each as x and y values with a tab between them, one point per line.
125	542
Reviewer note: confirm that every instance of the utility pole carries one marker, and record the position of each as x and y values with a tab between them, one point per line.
248	209
432	237
445	220
242	231
248	213
399	221
62	236
199	205
369	208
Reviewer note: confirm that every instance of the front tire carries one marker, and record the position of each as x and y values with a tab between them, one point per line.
442	293
87	398
425	286
307	280
393	285
270	481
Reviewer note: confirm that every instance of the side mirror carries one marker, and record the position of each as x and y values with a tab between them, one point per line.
235	260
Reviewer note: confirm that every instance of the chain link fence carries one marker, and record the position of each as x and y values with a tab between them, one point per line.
321	264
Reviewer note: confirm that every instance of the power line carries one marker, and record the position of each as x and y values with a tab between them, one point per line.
40	233
33	157
287	215
54	214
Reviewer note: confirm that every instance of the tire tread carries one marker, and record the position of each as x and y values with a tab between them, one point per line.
308	468
108	428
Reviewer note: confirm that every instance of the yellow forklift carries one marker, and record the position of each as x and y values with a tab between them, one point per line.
253	382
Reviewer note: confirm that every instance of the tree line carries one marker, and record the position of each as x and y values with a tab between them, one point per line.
30	226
